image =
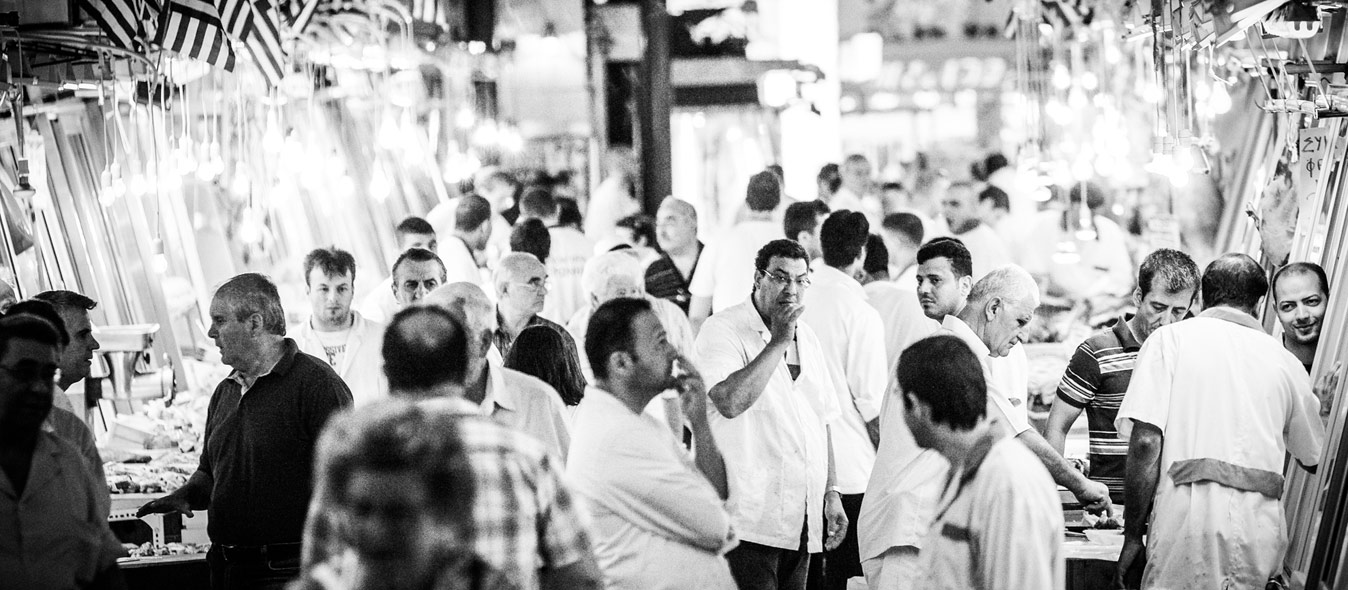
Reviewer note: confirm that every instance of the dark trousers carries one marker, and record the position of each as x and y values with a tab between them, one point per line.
246	571
759	567
843	563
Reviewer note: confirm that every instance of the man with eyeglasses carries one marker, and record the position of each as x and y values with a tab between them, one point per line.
56	534
521	291
774	400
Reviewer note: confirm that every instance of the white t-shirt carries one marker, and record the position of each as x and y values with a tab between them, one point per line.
570	251
726	270
852	337
334	346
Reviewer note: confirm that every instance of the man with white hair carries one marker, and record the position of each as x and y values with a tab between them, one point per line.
619	274
512	398
521	283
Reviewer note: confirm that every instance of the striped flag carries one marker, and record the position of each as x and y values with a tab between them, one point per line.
237	17
192	28
264	41
118	19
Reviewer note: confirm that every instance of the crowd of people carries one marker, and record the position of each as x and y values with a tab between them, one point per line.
832	389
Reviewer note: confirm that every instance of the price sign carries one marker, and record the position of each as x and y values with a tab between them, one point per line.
1312	143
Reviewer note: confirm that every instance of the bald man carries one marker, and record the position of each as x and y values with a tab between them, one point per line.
521	283
512	398
676	231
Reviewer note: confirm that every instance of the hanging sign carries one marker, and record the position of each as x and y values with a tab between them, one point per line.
1312	144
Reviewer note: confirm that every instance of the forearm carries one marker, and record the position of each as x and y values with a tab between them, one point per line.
1142	472
707	456
832	467
742	388
1063	473
197	490
1060	419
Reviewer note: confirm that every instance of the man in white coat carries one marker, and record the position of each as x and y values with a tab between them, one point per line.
1214	407
337	333
659	518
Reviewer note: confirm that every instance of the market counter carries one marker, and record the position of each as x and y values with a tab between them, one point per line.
180	572
1090	565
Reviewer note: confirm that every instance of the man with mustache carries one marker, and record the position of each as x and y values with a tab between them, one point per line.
1100	369
773	401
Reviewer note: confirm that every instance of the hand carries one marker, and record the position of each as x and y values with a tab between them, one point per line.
784	323
692	389
1134	554
836	519
1326	387
1095	498
166	505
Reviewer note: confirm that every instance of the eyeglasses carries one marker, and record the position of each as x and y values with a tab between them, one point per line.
537	283
32	373
782	279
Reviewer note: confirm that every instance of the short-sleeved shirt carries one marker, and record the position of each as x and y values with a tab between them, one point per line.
666	281
999	526
528	405
259	448
1096	380
776	452
566	263
1007	377
503	340
524	518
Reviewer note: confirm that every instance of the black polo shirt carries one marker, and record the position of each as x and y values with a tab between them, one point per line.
259	449
1096	380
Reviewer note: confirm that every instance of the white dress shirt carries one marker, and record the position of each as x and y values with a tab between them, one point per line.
904	487
362	363
460	266
728	276
566	262
776	452
379	305
658	523
852	337
902	316
677	330
999	529
528	405
1007	377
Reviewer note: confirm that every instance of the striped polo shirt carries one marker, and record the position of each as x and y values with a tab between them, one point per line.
1096	380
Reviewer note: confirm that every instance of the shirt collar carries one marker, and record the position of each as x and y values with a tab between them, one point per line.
828	275
497	392
754	320
281	367
965	333
1124	332
1232	315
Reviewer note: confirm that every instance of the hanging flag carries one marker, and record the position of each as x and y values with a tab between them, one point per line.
117	19
237	17
192	28
264	41
301	19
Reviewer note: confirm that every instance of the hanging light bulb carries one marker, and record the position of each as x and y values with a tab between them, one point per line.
1062	77
464	118
1184	159
272	139
1076	99
137	185
1220	100
380	187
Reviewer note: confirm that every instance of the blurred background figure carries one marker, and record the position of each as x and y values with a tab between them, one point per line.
614	198
963	214
680	251
530	236
828	181
567	255
1079	254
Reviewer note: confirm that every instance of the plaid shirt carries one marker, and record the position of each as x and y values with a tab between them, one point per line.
524	517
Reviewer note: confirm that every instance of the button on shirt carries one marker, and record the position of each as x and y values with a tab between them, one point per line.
1007	377
528	405
361	365
776	451
55	534
852	336
727	276
658	523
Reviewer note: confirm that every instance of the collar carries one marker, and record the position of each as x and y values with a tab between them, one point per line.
1232	315
755	321
497	392
965	333
282	366
828	275
1124	333
453	403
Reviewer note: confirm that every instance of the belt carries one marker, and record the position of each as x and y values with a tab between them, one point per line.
260	553
1246	479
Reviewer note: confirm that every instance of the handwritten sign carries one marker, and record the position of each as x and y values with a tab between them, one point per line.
1312	143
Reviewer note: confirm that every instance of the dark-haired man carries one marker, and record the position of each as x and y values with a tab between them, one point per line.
903	234
77	356
1301	296
1102	366
960	208
827	182
56	531
851	334
999	522
659	516
413	232
263	421
1214	407
416	273
944	277
773	399
728	276
335	332
525	522
801	223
